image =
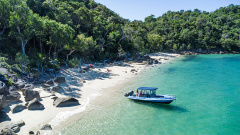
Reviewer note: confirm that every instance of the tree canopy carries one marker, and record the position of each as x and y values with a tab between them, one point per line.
63	29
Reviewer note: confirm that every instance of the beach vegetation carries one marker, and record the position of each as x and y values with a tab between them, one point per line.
62	30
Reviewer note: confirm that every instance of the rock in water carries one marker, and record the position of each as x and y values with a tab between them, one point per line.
30	95
46	127
7	131
65	102
18	108
60	80
3	87
35	105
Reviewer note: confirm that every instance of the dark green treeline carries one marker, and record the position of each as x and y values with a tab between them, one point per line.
65	29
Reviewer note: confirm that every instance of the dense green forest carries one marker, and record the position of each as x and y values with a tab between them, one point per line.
34	32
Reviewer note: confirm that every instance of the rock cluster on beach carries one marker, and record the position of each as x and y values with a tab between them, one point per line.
61	91
11	100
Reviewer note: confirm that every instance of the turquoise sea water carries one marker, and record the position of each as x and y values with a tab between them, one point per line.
208	101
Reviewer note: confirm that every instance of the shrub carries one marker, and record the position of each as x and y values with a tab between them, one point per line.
73	62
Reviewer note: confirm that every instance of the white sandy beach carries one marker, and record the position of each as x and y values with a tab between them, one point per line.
97	81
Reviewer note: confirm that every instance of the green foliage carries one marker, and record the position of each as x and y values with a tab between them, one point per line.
22	58
73	62
56	29
3	63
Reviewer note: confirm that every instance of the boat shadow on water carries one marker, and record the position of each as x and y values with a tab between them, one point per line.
167	107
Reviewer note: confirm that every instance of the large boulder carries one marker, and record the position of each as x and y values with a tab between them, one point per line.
18	108
12	88
13	126
27	87
13	96
60	80
56	88
30	95
19	85
65	102
35	105
3	87
3	102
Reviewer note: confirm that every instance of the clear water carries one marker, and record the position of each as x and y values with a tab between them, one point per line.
208	101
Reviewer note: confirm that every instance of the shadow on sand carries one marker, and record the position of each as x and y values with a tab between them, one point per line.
4	117
92	75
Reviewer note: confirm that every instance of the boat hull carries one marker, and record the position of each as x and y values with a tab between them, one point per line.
153	100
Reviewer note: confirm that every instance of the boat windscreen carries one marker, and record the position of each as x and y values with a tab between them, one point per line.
147	88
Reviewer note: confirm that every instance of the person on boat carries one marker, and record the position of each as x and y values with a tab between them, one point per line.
140	94
137	93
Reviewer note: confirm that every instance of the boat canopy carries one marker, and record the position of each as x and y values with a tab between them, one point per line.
147	88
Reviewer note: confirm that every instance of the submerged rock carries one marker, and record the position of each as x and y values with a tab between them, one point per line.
65	102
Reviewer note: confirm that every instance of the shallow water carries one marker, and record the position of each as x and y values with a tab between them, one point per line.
207	89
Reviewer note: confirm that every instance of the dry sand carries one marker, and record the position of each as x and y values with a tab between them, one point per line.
98	81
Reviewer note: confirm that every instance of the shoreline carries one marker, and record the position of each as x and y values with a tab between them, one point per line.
98	85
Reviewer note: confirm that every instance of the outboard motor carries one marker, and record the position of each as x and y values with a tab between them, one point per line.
130	93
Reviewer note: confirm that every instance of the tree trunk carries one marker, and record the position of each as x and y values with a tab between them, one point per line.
34	43
41	45
70	53
3	30
23	48
23	43
58	51
49	53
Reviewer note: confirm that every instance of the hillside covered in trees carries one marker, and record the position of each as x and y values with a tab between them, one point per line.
34	32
